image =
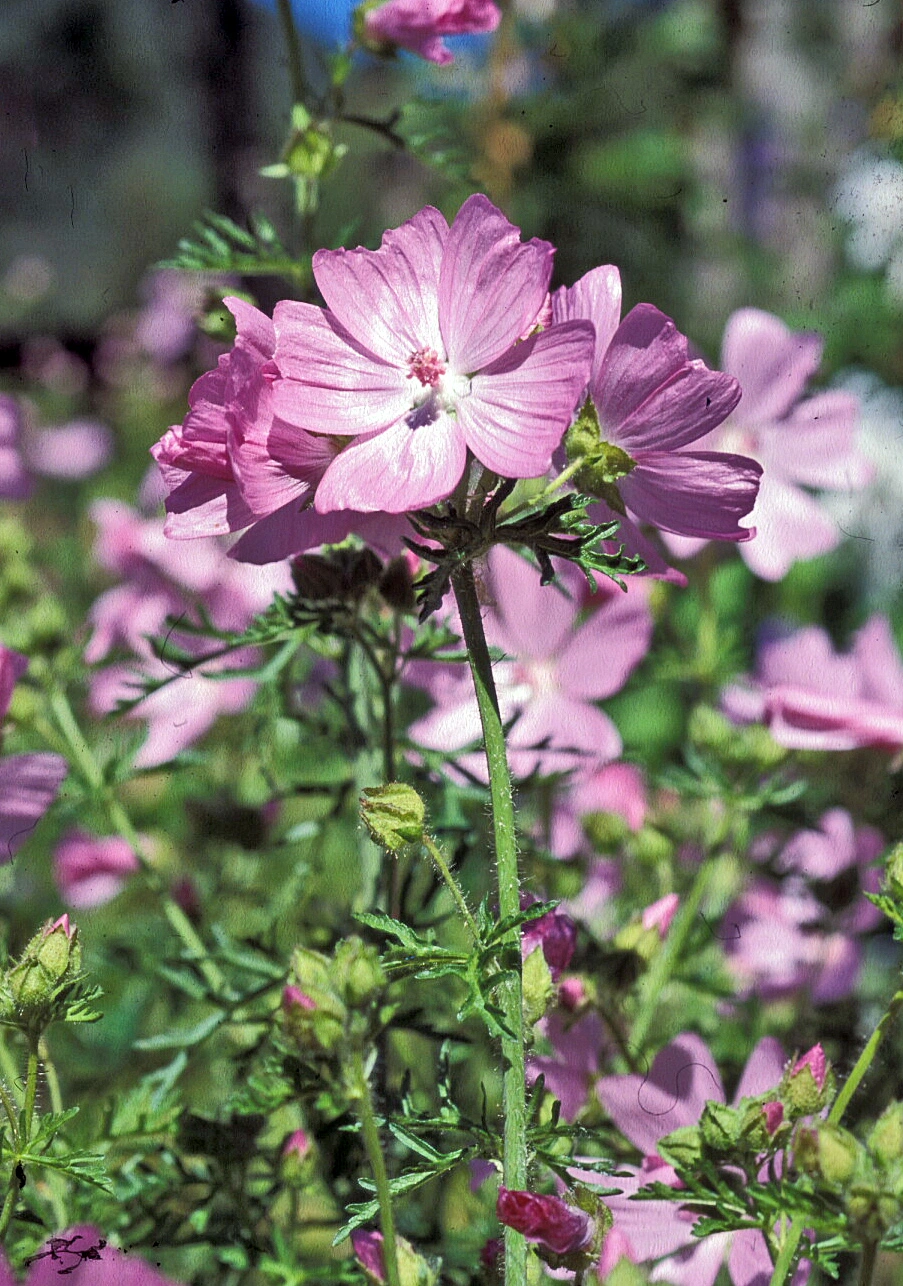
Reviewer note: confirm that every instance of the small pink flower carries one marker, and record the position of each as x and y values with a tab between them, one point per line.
91	869
416	361
419	25
296	1145
368	1251
800	444
658	915
71	451
653	401
294	998
547	1221
571	993
813	698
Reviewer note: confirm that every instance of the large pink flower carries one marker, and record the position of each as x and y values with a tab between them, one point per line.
557	671
28	783
800	444
813	698
653	401
419	358
419	25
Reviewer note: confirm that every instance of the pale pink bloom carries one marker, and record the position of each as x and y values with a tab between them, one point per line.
70	451
658	915
799	443
218	472
419	25
616	788
546	1221
15	483
653	400
558	670
28	783
682	1079
579	1048
91	869
813	698
416	361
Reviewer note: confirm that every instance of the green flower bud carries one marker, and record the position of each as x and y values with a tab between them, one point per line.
886	1139
872	1210
394	815
51	959
356	972
313	1013
605	831
538	987
720	1126
808	1085
683	1147
651	846
829	1151
753	746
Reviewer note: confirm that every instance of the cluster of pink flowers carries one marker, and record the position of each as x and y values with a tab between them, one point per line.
440	348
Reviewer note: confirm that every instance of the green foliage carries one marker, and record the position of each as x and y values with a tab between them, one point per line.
221	246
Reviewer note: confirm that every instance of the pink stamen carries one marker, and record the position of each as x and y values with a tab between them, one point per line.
426	366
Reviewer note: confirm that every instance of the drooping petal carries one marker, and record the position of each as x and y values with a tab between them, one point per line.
693	494
396	471
520	406
198	504
646	350
789	525
388	298
28	786
275	463
491	286
771	361
690	403
596	297
330	383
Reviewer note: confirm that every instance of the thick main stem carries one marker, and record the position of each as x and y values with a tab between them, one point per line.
377	1161
514	1084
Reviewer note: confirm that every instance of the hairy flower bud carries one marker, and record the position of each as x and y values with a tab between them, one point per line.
394	815
829	1151
51	959
312	1011
297	1158
808	1085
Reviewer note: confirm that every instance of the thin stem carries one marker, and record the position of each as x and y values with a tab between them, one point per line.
31	1089
665	960
514	1084
9	1206
295	56
784	1262
53	1081
377	1161
12	1114
867	1266
454	887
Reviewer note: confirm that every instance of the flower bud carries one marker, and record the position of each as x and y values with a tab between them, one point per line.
538	986
893	873
720	1126
885	1142
773	1112
51	959
829	1151
872	1211
413	1269
357	973
368	1251
548	1222
809	1084
682	1147
556	933
297	1158
572	993
394	815
312	1012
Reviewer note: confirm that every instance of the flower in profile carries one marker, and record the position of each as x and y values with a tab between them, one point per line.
419	357
419	25
28	783
548	1222
647	401
368	1251
91	869
556	934
557	671
813	698
800	443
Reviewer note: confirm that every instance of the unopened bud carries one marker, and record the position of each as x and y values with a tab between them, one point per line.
51	959
886	1139
829	1151
394	815
538	986
297	1158
809	1083
682	1147
547	1222
357	973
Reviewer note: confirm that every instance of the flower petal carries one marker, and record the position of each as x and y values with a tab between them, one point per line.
28	786
254	330
771	361
398	470
693	494
491	286
815	445
389	297
763	1069
691	402
646	350
599	657
529	619
521	405
790	526
596	297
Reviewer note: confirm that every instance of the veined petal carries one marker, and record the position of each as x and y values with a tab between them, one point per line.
254	330
396	471
556	733
598	659
535	619
763	1069
596	297
691	402
289	530
771	361
389	296
28	786
701	494
275	463
521	405
200	504
330	383
646	350
491	286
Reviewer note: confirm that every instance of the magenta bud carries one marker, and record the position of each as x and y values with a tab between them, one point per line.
557	934
295	998
571	993
660	914
368	1251
774	1114
296	1145
547	1221
817	1063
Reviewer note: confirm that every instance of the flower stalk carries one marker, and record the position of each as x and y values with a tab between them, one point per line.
514	1084
378	1167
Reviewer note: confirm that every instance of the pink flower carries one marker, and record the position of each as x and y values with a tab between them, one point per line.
557	671
813	698
28	783
800	444
616	788
579	1048
85	1258
70	451
419	25
652	401
682	1079
218	472
296	1145
547	1221
91	869
556	934
368	1251
416	360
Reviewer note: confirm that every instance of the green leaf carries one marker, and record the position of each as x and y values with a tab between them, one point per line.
221	246
186	1038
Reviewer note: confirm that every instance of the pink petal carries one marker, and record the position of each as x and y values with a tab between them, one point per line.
491	286
398	470
771	362
201	505
837	970
682	1079
577	735
12	666
28	786
275	463
693	494
331	383
825	853
881	668
749	1262
520	406
600	656
763	1069
255	331
635	542
617	788
72	451
806	659
696	1265
790	526
596	297
815	445
646	351
688	405
535	619
389	297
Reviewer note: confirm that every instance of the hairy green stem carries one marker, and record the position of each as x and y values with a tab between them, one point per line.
53	1081
454	887
12	1113
514	1084
377	1161
784	1262
665	960
31	1089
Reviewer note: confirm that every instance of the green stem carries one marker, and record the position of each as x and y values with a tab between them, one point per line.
295	57
11	1111
53	1081
785	1259
377	1161
9	1206
665	960
869	1259
31	1089
514	1084
454	887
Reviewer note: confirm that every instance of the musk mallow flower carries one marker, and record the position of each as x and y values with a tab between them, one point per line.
647	401
419	358
800	443
419	25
